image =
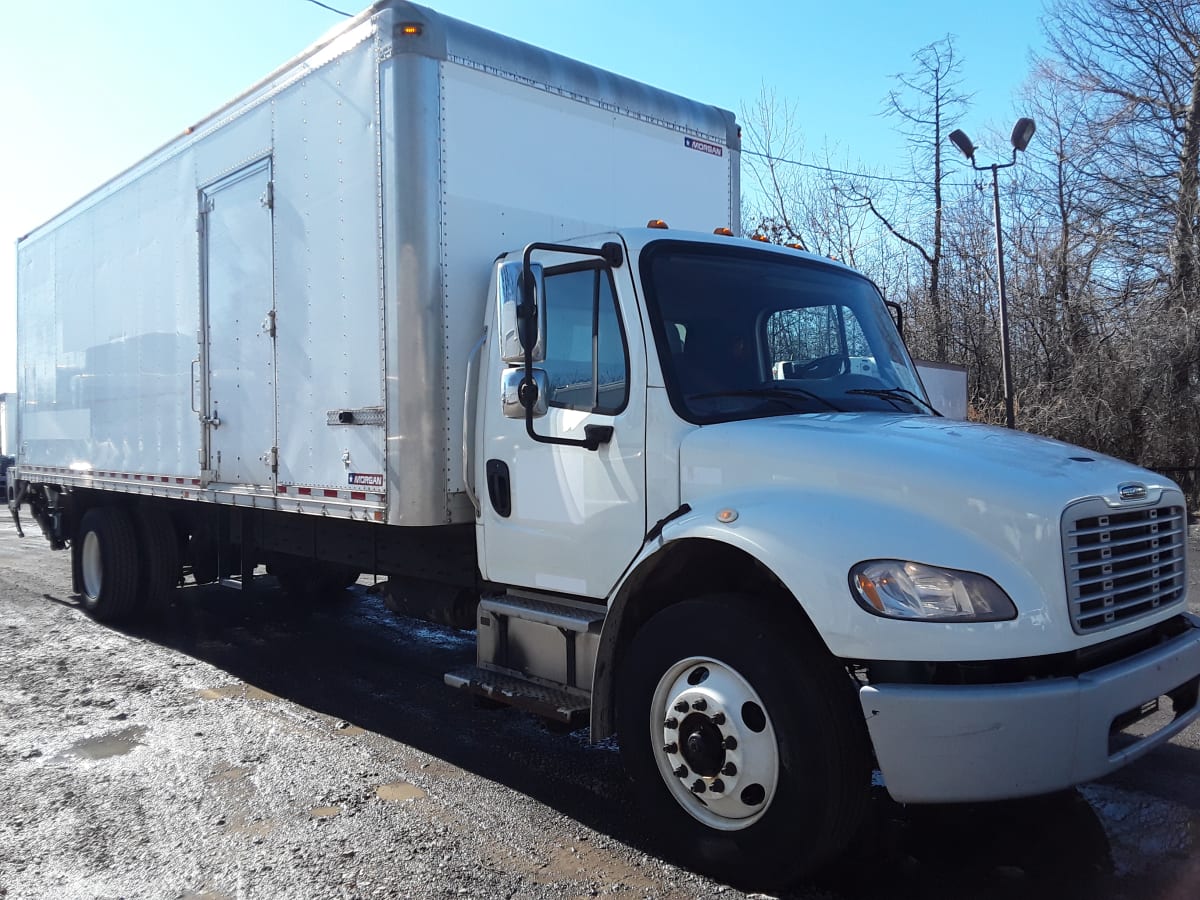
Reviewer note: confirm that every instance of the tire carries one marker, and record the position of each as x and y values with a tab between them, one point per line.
761	774
159	546
108	564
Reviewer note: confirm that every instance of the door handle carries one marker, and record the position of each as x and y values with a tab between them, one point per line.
195	362
499	487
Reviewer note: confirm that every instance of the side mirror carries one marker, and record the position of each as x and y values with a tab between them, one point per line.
514	331
512	400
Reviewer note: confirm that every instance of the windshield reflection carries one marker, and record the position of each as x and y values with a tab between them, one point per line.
746	333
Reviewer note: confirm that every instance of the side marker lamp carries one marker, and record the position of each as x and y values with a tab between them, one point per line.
899	589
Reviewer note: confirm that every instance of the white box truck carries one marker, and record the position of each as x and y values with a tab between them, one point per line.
383	313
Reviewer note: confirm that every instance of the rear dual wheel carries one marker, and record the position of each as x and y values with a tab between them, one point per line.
744	739
108	563
125	563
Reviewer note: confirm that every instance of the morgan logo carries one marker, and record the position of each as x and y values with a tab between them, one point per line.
1131	490
363	479
703	146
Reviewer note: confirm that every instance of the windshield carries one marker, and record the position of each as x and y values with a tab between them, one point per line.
744	333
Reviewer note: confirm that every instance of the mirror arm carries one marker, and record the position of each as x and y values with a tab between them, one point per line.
612	253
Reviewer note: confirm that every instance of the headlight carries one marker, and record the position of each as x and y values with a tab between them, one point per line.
908	590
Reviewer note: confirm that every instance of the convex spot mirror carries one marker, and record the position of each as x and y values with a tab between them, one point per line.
514	331
515	391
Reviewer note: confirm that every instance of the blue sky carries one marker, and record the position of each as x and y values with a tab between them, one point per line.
88	87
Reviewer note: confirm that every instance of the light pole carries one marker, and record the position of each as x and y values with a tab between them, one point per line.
1022	133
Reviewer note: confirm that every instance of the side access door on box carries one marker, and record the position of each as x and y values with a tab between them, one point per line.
237	384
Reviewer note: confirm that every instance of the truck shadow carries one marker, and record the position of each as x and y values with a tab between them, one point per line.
352	659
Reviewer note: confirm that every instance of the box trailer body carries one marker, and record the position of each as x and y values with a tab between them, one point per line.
385	313
337	224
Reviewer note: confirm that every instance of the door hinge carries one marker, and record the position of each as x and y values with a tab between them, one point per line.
268	197
268	324
271	459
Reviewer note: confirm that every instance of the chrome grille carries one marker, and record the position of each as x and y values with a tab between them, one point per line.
1122	564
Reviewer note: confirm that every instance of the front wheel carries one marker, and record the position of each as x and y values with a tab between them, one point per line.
744	738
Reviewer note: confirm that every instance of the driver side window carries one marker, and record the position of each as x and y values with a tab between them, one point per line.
586	362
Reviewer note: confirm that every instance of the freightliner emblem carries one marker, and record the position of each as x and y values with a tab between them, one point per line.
1132	490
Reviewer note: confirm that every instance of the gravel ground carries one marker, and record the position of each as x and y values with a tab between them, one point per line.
239	746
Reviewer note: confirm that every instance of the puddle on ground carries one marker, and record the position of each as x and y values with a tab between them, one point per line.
253	827
398	792
118	743
233	774
324	812
235	692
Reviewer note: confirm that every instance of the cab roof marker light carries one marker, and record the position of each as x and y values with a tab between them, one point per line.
760	237
656	223
725	232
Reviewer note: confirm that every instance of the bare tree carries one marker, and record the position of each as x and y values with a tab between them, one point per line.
1136	64
1132	68
800	201
927	102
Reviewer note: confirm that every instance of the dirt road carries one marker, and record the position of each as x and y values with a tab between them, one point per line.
244	747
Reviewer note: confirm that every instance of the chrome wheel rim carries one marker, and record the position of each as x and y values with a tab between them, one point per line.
714	743
92	566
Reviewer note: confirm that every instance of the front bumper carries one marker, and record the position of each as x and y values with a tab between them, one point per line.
957	743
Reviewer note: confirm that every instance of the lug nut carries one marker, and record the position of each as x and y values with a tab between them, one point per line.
717	786
730	743
718	718
671	748
671	723
681	771
729	769
681	706
700	705
698	786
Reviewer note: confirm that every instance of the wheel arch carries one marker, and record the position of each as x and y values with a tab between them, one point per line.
682	569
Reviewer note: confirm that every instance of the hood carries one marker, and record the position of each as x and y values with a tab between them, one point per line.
916	461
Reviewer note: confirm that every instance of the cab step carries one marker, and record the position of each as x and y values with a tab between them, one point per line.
550	703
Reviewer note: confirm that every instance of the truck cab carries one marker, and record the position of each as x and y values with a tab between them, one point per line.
718	510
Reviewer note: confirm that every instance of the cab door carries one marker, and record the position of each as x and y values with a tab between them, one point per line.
558	518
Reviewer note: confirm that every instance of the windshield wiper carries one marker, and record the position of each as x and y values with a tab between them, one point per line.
767	393
896	393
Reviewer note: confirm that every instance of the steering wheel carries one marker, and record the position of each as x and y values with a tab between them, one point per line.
822	367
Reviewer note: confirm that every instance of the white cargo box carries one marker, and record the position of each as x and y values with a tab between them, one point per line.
276	308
